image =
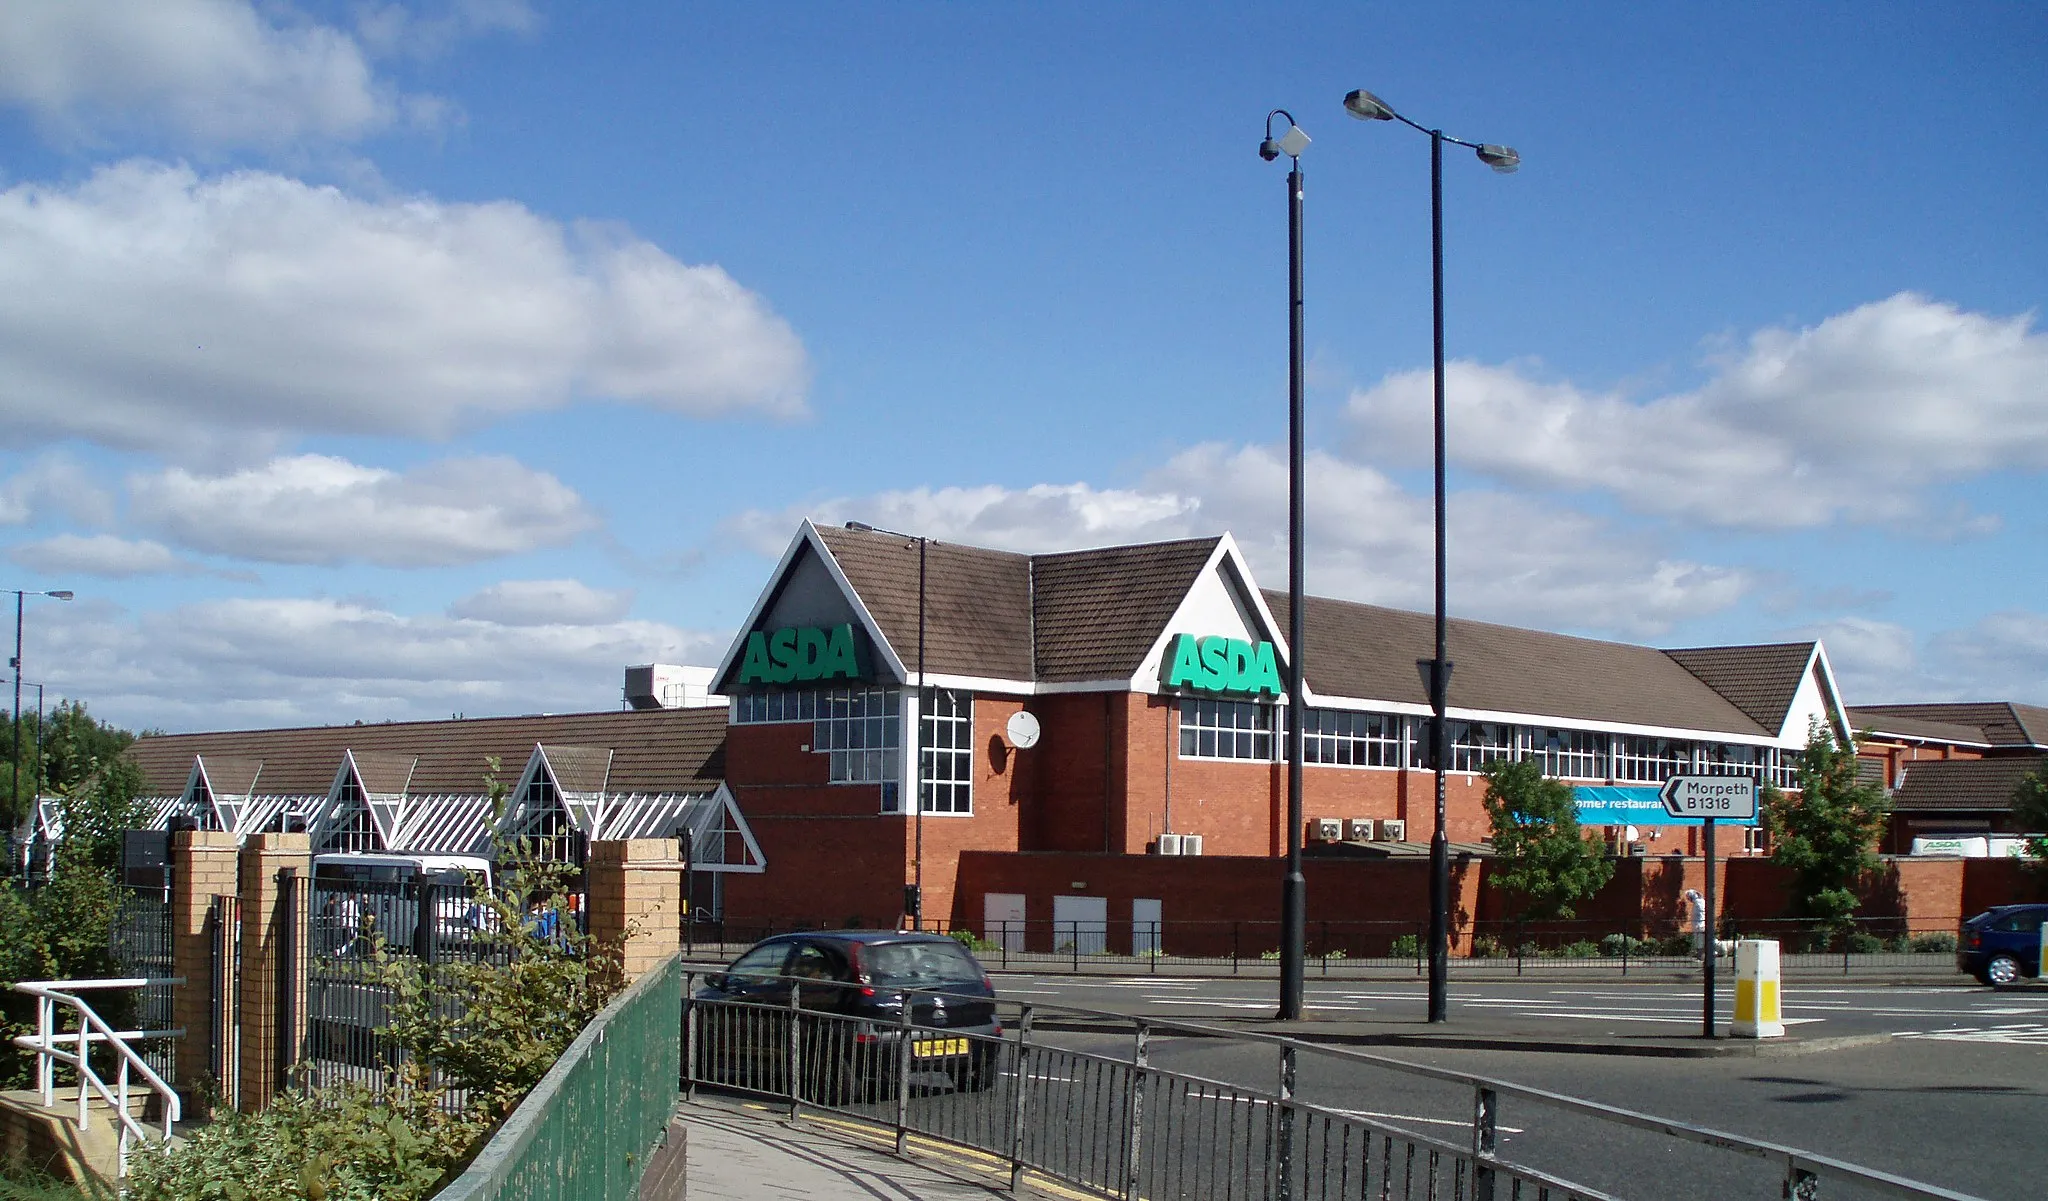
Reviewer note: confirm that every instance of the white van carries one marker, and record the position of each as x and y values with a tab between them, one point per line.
359	891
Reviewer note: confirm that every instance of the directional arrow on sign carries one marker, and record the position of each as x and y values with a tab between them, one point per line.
1731	798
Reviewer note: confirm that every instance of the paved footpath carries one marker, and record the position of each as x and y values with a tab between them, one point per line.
746	1151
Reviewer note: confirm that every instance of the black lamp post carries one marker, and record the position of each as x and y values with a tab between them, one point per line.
15	663
916	897
1436	672
1294	889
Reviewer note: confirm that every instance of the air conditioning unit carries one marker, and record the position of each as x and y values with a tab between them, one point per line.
1191	844
1358	829
1393	829
1326	829
1168	844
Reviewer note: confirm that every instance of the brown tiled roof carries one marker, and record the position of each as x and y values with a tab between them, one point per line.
1098	612
2004	723
655	750
229	774
1368	651
977	602
384	773
1881	722
1759	680
579	768
1949	785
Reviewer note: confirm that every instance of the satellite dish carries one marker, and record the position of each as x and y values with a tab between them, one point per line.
1023	730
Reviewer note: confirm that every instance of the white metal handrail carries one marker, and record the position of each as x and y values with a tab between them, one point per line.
47	1042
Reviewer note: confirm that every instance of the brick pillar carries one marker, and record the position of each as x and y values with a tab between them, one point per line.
272	945
202	868
636	895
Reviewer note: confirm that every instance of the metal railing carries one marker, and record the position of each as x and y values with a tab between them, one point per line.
1086	1098
1368	948
48	1043
586	1129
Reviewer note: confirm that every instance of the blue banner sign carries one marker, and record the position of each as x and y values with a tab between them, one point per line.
1632	805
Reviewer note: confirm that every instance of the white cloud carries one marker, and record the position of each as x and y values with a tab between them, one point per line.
98	555
2000	657
148	307
56	484
1511	560
543	603
1860	418
319	509
258	662
207	72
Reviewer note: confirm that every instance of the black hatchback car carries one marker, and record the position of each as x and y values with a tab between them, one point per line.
847	990
2002	944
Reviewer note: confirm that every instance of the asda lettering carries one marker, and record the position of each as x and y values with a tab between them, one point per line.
1219	664
800	654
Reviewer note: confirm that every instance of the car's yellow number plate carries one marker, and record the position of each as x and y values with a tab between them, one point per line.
932	1048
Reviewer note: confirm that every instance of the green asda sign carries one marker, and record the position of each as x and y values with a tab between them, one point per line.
1219	664
800	654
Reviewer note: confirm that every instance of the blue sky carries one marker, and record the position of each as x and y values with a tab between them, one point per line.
369	361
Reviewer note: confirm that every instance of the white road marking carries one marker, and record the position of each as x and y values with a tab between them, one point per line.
2029	1034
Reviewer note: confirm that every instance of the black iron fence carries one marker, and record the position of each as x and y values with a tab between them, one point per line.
1337	947
140	944
1137	1107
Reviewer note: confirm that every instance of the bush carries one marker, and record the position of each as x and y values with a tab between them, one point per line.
1407	946
344	1144
1486	946
968	939
1943	943
1863	942
1614	946
1583	949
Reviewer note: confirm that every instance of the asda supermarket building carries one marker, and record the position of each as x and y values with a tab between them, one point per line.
1153	680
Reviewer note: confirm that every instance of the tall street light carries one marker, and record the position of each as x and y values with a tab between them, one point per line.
1436	672
15	663
1294	889
916	897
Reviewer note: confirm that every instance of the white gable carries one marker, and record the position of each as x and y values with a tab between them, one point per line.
1225	600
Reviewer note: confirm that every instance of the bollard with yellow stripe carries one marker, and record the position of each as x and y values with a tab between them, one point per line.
1756	990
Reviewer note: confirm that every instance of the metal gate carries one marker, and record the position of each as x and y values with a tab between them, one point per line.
141	947
224	1058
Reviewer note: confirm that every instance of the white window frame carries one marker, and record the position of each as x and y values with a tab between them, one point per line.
946	776
1219	723
1350	738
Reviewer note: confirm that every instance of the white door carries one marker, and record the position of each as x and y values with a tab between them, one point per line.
1002	919
1080	924
1145	913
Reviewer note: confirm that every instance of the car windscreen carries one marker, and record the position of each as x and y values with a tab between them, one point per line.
918	963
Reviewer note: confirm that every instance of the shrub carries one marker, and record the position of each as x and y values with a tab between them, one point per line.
1863	942
1407	946
1583	949
1486	946
968	939
1272	954
1338	953
343	1144
1942	943
1614	946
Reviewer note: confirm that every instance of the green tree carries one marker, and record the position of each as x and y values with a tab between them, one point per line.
2030	810
1541	860
1828	833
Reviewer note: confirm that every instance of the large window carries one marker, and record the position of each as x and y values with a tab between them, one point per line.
1651	760
1225	729
767	708
1347	739
1577	754
949	752
861	729
1476	743
348	825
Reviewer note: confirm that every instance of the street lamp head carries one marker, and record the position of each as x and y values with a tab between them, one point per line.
1290	143
61	594
860	527
1501	158
1366	106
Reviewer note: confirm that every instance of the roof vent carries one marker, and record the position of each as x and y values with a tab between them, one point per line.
669	686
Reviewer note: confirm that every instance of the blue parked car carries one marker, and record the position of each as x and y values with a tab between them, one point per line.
2002	944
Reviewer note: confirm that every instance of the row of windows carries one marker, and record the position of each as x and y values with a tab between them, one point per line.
861	730
1214	729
